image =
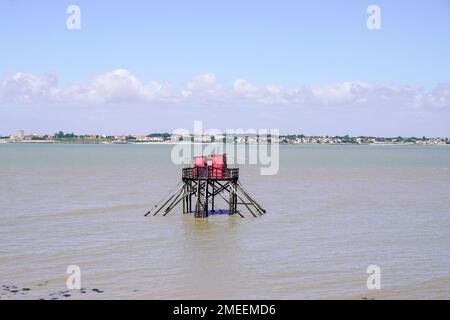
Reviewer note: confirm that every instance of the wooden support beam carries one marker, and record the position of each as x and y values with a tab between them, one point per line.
249	209
161	207
174	202
237	211
256	204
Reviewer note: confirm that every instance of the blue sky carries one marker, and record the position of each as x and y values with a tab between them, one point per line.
290	44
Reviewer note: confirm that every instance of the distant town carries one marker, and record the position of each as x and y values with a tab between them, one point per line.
242	138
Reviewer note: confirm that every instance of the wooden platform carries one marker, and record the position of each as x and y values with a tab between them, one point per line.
210	173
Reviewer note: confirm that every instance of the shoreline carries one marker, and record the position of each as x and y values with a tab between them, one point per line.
52	142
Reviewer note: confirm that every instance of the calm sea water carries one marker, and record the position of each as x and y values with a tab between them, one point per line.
332	212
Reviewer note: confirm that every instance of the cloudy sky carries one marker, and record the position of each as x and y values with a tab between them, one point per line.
308	67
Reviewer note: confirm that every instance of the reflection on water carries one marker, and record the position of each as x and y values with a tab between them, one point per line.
332	211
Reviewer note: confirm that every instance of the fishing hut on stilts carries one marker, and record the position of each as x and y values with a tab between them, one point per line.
203	183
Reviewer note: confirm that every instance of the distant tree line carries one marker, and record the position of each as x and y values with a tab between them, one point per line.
62	135
165	135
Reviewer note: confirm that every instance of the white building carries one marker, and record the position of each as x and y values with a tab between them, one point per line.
20	136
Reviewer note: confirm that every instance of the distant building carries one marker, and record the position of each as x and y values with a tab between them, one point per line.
202	138
19	136
156	139
142	138
180	137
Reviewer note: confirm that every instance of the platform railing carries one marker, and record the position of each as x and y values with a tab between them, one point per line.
210	173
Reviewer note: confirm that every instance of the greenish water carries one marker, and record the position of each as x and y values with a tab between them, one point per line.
332	212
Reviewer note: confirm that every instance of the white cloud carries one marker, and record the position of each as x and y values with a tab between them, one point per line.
27	87
245	88
439	97
344	92
205	88
121	86
117	86
203	84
